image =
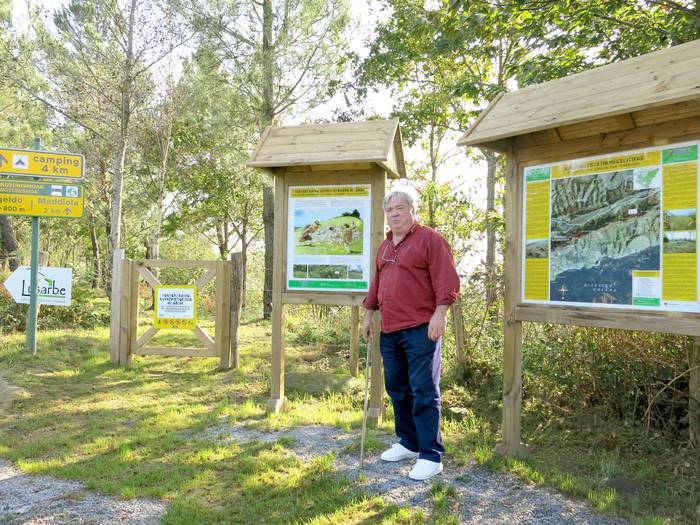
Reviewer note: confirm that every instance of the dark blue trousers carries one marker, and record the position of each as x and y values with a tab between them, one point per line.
412	365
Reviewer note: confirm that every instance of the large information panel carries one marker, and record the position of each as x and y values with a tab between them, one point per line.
614	230
328	238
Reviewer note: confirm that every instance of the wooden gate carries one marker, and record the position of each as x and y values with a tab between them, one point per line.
124	340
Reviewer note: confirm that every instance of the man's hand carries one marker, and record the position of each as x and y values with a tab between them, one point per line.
438	322
368	325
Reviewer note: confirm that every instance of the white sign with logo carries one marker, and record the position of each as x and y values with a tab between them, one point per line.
54	285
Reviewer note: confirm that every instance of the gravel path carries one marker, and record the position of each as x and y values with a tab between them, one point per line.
482	497
43	500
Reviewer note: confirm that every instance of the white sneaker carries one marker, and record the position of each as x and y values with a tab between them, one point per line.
424	469
397	452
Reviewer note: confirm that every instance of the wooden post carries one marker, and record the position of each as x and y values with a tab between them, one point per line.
512	344
115	307
354	340
278	402
222	335
124	303
458	329
236	305
694	396
376	405
133	317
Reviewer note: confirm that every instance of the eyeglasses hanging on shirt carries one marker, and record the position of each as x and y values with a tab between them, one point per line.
393	260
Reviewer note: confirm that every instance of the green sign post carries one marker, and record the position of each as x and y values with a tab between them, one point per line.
33	200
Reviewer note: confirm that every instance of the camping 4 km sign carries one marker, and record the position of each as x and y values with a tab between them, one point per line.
53	286
176	307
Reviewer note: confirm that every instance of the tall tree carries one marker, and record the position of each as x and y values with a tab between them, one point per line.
284	56
99	58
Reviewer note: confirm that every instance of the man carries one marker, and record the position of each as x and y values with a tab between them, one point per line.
413	287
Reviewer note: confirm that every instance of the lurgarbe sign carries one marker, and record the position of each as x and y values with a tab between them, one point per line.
54	285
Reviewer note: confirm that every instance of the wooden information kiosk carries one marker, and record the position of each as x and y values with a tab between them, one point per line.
330	182
600	206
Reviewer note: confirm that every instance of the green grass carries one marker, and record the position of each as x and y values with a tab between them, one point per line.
137	432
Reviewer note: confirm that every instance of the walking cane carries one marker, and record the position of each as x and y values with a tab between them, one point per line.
364	406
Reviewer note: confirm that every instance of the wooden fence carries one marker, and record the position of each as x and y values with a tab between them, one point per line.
124	339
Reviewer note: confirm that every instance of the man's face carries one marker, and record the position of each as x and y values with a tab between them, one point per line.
399	215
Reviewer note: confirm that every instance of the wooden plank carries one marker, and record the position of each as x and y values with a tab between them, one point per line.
115	306
547	136
124	312
354	341
176	352
684	129
585	111
663	322
204	279
145	338
219	341
601	98
204	337
331	148
134	309
325	157
690	108
377	235
379	137
149	277
593	127
646	69
277	401
261	142
323	298
160	263
333	128
512	345
389	144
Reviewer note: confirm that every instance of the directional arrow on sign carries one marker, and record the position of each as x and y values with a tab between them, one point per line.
3	160
15	284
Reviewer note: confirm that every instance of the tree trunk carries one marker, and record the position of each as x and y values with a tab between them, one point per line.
120	158
8	243
268	222
694	393
268	115
96	262
433	179
490	263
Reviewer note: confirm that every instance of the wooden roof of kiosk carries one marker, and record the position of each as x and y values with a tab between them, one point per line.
648	101
611	102
337	146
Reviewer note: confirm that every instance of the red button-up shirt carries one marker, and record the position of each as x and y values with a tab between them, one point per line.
412	278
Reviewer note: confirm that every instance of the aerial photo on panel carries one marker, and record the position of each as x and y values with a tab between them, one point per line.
603	227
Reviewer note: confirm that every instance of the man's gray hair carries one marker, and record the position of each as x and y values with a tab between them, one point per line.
408	193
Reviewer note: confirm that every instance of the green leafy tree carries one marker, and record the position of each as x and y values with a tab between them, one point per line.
284	57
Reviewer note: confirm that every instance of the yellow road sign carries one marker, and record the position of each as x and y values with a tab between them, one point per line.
48	164
39	199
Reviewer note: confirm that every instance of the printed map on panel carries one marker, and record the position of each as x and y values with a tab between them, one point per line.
604	226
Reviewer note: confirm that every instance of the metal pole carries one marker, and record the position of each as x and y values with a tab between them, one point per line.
34	277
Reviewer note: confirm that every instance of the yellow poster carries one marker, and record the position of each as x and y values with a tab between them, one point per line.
615	230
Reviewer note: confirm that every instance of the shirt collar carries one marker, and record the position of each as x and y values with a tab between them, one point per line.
416	224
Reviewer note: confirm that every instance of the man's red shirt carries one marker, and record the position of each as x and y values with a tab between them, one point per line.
412	278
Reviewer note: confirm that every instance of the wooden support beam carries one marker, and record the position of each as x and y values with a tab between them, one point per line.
511	444
204	279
